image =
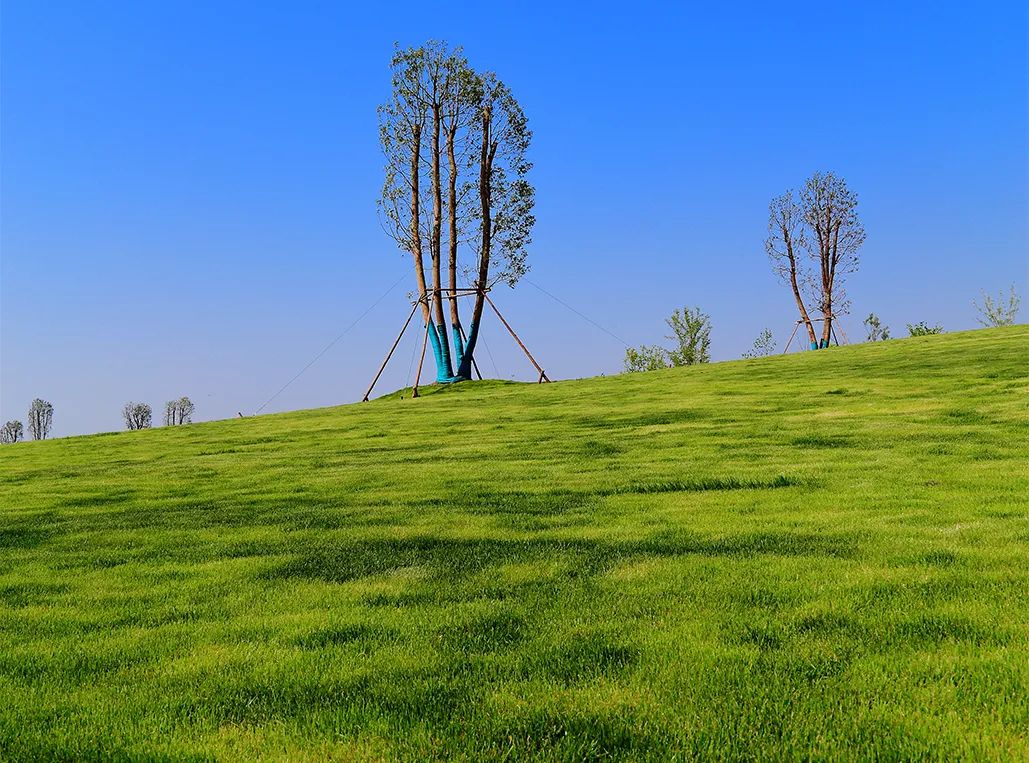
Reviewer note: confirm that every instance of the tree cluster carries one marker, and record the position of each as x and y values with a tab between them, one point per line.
691	338
41	419
11	432
140	415
455	142
177	412
923	329
137	415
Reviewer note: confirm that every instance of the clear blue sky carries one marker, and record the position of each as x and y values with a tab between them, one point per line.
188	189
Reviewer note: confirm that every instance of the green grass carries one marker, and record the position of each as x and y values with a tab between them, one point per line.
823	555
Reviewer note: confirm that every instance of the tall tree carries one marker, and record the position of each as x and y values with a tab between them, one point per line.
830	211
813	243
410	129
402	123
435	92
785	245
506	199
41	418
466	134
459	121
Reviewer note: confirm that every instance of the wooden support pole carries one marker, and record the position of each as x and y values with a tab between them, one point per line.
795	328
843	334
832	328
390	353
543	375
425	341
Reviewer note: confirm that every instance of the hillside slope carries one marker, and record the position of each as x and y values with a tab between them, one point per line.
822	554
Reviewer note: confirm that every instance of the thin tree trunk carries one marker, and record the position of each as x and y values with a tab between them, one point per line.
455	317
827	278
416	233
444	368
830	281
486	153
796	294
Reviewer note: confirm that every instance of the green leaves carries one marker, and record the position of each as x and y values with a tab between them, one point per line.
645	358
691	332
478	111
923	329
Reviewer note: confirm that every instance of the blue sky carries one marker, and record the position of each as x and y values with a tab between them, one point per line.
188	190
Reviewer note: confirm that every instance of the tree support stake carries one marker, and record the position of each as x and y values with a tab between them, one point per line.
543	374
425	341
391	351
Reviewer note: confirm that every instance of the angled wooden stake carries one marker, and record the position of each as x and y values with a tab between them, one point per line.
842	333
390	353
425	341
795	328
543	375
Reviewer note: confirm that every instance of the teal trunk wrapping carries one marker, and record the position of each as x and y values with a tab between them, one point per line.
464	369
458	348
814	345
441	351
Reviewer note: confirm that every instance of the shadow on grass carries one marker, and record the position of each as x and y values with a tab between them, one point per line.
454	558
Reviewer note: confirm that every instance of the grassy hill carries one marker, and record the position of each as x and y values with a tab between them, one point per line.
820	555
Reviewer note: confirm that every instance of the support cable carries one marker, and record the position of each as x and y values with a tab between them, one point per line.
490	353
410	366
584	317
331	344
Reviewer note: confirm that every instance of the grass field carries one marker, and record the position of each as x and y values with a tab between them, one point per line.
824	555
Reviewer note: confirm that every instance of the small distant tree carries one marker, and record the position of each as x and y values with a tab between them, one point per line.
876	331
923	329
178	412
137	415
691	332
998	313
786	245
645	358
41	418
830	211
814	236
764	345
11	432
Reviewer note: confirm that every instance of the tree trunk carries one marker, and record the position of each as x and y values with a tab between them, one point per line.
416	234
455	317
441	346
796	293
825	245
485	178
830	285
